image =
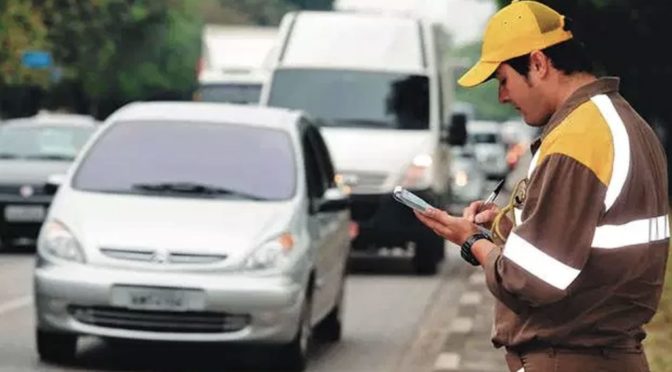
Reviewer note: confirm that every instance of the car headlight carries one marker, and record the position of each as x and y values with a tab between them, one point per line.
272	254
57	241
418	174
461	178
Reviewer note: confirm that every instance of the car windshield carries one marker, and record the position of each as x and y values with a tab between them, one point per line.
53	142
190	159
484	138
232	93
355	98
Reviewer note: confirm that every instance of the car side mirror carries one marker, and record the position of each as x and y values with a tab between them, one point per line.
334	199
53	183
455	133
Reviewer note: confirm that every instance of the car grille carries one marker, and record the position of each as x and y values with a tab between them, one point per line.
163	257
364	179
160	321
16	189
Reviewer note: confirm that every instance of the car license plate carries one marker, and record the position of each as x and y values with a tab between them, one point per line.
25	213
153	298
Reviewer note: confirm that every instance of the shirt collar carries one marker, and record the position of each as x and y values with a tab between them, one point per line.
603	85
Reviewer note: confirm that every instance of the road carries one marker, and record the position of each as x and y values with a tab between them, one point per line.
385	316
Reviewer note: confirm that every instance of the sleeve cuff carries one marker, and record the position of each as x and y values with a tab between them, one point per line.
494	282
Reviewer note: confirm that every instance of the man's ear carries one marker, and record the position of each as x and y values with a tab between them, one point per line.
539	64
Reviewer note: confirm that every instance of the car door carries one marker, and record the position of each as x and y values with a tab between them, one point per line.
329	228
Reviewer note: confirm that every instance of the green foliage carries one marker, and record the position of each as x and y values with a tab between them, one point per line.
21	29
485	96
116	51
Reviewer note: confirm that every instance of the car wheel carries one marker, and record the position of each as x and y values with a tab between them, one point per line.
295	354
330	329
56	347
428	253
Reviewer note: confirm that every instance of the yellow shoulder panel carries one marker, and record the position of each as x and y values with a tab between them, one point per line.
585	137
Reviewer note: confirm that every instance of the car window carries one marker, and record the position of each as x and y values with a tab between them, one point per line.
324	158
56	142
248	161
484	138
354	98
232	93
314	172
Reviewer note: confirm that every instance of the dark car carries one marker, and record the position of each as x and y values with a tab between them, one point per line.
31	151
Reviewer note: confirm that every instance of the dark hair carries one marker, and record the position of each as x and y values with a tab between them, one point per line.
569	56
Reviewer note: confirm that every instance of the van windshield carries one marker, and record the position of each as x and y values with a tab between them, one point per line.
231	93
348	98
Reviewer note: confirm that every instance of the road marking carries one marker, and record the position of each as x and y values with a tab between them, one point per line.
477	278
447	362
15	304
470	298
461	325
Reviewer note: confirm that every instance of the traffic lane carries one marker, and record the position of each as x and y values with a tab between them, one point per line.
380	322
15	280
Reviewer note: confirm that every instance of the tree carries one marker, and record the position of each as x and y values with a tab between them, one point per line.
483	97
116	51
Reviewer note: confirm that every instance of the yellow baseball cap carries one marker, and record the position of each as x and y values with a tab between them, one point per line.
516	30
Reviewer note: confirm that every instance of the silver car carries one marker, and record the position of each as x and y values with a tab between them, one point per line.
195	222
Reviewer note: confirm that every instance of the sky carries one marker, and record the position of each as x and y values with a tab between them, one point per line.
465	19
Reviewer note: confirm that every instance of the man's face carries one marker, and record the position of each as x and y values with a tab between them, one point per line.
523	94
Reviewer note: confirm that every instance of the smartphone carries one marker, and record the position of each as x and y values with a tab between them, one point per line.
409	199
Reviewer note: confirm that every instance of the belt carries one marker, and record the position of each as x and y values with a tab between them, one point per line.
535	347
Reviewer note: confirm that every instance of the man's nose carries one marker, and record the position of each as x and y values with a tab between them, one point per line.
503	96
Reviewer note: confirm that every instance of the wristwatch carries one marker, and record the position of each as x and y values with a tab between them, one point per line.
466	248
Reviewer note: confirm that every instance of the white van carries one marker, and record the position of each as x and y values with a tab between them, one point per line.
379	86
233	65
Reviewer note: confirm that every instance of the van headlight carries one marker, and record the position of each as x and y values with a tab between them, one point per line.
418	175
272	254
58	242
461	178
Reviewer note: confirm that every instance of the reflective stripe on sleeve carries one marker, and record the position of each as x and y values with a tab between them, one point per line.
621	162
538	263
632	233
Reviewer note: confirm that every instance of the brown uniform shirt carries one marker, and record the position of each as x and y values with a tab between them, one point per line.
584	267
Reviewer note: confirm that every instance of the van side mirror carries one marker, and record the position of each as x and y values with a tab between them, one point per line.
53	183
455	132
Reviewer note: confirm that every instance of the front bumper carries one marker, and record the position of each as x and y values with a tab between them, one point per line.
77	299
21	229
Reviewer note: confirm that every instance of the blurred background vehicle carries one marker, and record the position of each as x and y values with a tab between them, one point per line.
486	139
233	64
517	137
196	222
32	150
469	180
382	101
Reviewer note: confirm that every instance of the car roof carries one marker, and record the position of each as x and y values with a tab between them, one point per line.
53	119
210	112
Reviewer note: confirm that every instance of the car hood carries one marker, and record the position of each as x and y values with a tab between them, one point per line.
376	150
184	225
16	171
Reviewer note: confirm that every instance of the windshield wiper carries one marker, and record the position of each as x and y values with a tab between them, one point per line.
8	156
192	188
368	123
50	157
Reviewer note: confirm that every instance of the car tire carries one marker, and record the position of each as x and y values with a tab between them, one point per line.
330	329
56	347
429	251
294	355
